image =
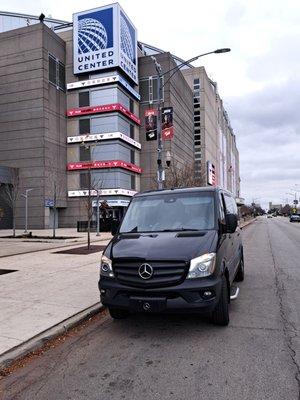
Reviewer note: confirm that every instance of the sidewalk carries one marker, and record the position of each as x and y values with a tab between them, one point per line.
46	289
11	246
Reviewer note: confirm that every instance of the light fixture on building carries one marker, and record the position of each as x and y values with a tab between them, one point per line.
42	17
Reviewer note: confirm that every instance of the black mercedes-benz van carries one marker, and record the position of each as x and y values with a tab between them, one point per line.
175	251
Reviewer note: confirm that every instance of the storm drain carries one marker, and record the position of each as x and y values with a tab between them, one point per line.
7	271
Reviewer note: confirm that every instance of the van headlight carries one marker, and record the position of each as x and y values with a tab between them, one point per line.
106	267
202	266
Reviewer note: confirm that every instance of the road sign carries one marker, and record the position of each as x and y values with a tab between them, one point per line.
296	202
49	203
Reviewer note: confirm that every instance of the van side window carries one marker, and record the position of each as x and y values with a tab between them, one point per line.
221	207
230	204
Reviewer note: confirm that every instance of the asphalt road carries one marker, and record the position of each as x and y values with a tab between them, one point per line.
180	357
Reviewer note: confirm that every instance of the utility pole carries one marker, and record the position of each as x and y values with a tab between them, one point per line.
89	208
98	215
160	170
26	208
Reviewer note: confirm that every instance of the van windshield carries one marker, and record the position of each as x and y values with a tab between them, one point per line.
170	212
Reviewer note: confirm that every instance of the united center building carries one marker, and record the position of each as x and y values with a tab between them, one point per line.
72	102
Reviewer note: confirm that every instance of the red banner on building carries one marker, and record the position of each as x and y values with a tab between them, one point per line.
104	164
75	112
151	124
168	133
167	123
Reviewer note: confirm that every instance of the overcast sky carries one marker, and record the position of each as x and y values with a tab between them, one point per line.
259	80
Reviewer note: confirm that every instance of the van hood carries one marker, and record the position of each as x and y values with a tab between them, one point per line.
157	246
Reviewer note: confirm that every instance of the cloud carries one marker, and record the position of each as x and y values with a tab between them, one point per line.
268	126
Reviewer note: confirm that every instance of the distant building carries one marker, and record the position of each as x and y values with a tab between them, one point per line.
277	207
214	140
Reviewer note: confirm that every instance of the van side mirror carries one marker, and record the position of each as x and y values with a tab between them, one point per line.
231	223
114	226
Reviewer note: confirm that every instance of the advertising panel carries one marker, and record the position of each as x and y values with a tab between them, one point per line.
104	80
102	192
104	38
211	174
151	124
104	164
75	112
167	123
92	137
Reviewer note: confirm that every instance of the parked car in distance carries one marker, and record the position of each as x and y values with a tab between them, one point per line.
269	216
295	218
175	251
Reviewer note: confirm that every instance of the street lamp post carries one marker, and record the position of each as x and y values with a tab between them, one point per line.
26	208
160	87
98	215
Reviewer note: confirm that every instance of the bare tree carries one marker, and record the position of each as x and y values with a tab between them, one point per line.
93	185
182	176
11	193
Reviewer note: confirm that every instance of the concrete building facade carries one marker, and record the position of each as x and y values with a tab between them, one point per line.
67	133
176	94
214	141
32	117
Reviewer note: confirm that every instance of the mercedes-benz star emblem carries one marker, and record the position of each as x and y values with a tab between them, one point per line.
145	271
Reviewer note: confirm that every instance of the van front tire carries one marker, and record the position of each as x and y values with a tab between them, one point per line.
220	315
117	313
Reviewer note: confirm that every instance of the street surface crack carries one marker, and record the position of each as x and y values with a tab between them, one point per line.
289	330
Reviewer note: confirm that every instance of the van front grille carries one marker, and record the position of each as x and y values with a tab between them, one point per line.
165	273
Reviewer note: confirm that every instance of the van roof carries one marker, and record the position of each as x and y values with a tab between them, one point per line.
182	190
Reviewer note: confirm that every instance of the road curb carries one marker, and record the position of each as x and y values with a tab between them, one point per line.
19	351
248	223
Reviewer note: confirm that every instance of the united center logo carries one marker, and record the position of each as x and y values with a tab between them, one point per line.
92	35
127	40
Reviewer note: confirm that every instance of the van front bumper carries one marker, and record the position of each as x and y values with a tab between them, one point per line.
193	295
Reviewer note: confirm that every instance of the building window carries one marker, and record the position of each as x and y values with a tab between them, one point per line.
196	105
132	156
197	131
197	137
84	99
61	76
148	89
83	180
197	124
197	143
197	118
84	77
196	101
132	182
131	105
131	131
52	70
85	153
197	112
196	81
84	126
57	74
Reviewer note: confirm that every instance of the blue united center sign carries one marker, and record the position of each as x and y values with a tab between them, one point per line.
104	38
